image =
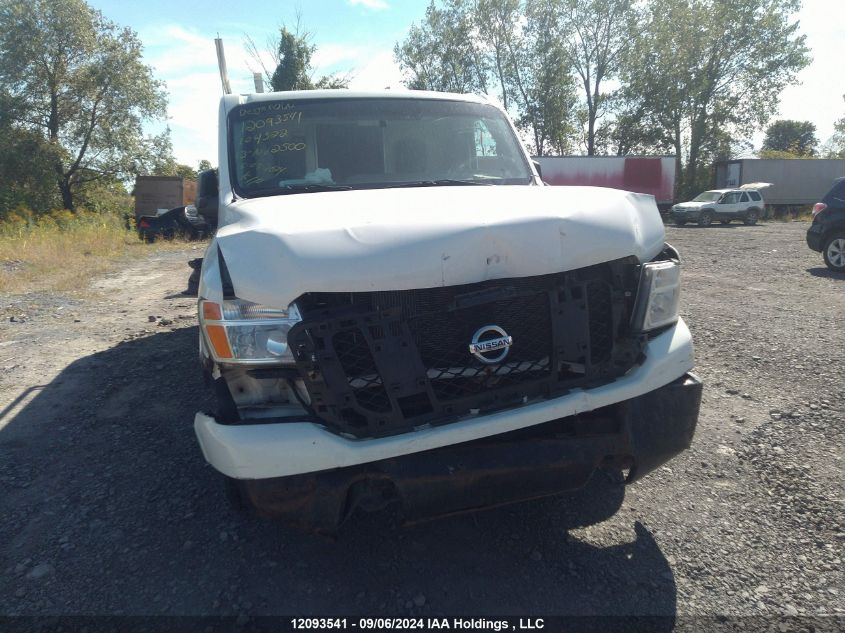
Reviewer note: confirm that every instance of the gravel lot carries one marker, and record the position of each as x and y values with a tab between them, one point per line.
108	507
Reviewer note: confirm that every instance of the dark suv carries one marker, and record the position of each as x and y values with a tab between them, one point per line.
827	233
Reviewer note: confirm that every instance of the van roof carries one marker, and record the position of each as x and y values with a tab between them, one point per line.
294	95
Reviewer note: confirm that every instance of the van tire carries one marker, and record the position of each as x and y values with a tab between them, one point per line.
705	219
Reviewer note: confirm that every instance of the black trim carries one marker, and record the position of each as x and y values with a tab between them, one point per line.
382	363
225	277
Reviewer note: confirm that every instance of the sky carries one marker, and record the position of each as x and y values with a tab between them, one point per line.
357	37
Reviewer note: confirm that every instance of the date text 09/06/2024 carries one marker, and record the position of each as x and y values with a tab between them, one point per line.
419	624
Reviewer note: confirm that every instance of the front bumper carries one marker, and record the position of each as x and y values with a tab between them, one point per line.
539	461
269	450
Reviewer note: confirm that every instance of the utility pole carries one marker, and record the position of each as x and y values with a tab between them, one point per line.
221	63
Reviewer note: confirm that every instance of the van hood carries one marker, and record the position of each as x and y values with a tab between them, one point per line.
277	248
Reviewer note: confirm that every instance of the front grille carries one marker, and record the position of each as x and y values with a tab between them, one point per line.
443	341
377	363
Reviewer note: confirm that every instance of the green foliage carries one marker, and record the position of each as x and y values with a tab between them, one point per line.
703	72
78	81
204	165
105	197
470	45
292	55
597	35
27	174
797	138
835	146
544	87
292	72
441	53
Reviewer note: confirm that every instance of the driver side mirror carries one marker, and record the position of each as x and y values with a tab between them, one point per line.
207	196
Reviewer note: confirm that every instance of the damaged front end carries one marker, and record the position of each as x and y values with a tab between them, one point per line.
543	460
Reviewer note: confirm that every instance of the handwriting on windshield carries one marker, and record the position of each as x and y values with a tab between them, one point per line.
263	173
266	107
275	149
263	137
272	121
267	152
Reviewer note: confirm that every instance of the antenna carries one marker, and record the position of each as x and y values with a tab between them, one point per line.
221	63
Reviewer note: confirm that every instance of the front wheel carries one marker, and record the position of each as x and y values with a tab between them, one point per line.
705	219
834	252
751	217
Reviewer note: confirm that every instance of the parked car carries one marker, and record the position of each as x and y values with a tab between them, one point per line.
722	205
182	222
827	232
396	310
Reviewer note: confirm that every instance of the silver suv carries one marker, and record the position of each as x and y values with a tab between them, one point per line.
724	205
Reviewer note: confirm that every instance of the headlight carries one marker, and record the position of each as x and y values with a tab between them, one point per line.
658	298
244	332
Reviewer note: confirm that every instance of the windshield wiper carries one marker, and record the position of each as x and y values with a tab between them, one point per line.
311	188
436	183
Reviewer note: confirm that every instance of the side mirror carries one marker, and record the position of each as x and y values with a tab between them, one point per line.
207	196
538	168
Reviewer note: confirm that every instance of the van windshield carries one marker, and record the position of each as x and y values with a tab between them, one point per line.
278	147
708	196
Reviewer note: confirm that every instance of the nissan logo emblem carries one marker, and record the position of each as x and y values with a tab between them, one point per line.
488	340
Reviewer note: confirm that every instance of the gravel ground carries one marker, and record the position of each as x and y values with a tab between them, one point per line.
108	507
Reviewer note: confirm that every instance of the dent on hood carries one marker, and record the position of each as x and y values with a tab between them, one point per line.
421	238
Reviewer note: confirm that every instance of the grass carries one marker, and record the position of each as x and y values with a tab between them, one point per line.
62	251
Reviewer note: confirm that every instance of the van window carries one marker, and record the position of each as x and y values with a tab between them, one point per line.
755	196
296	146
744	198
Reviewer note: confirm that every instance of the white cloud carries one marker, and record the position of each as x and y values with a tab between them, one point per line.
187	62
818	96
379	71
376	5
330	54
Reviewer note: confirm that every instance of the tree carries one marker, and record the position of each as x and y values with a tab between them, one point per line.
442	52
792	137
544	87
78	81
291	55
496	20
292	71
835	146
469	45
701	71
597	34
204	165
27	176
